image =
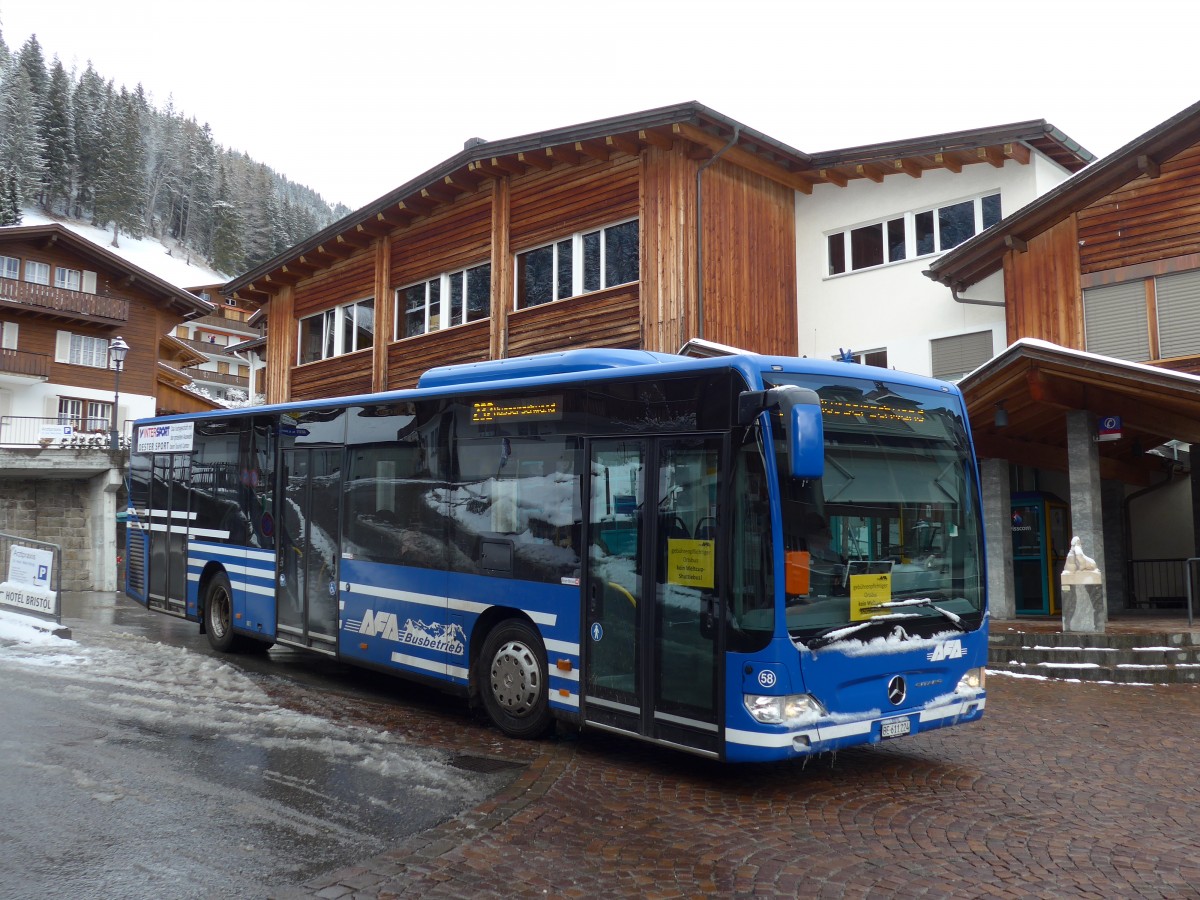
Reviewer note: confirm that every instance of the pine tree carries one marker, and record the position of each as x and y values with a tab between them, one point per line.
88	104
59	135
10	211
21	151
228	251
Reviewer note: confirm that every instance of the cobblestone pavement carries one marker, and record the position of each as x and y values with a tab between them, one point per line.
1064	790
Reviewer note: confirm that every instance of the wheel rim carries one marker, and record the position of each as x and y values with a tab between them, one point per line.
516	678
218	612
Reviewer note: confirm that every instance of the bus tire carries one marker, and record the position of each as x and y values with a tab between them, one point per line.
218	614
514	680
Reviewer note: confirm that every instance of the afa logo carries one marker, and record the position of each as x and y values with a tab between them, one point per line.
947	650
447	638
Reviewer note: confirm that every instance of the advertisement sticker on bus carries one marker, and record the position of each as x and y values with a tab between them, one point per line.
175	437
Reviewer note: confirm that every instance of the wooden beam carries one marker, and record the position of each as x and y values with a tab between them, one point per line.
537	160
356	239
1012	242
499	166
871	171
1018	152
564	154
657	138
282	276
438	193
594	149
908	167
416	206
834	176
624	144
373	227
1148	166
993	155
303	265
949	161
464	181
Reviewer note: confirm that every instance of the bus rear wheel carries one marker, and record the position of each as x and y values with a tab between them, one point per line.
218	614
514	680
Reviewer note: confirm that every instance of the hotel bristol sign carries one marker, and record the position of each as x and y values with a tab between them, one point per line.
29	584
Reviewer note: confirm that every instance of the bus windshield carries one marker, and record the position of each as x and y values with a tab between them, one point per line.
891	530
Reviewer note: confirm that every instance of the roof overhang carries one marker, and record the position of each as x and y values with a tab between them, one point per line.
983	255
702	133
1036	383
177	299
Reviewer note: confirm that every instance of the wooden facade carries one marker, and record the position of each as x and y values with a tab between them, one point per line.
716	207
110	298
494	208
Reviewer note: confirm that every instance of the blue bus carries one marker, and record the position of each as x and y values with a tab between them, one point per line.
745	557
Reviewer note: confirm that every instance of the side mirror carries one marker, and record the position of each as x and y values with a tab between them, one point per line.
800	409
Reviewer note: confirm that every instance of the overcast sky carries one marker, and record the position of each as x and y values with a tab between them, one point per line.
354	99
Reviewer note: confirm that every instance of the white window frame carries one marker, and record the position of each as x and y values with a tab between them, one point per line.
68	279
32	266
910	234
332	332
437	315
81	350
577	263
71	411
10	267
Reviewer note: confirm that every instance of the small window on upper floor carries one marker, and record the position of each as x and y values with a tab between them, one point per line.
67	279
953	357
37	272
579	264
337	331
10	267
910	235
449	299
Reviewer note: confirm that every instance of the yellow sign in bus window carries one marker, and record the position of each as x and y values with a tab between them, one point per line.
690	563
867	591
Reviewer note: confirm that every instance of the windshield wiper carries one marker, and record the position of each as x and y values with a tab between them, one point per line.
841	632
925	602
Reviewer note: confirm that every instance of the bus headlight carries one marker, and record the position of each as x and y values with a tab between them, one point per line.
777	710
973	680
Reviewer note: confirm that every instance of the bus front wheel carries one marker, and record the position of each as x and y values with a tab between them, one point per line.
515	690
218	614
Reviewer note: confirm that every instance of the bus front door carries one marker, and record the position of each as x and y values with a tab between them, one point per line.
307	610
651	661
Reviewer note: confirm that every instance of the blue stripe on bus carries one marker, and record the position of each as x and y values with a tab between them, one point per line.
421	620
251	572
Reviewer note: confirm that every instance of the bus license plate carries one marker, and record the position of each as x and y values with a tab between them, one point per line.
895	728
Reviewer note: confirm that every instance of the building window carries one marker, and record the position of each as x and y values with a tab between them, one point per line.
84	415
452	298
67	279
910	235
1115	321
10	267
953	357
81	350
584	262
337	331
37	272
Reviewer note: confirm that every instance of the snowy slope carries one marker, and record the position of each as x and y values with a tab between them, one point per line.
147	253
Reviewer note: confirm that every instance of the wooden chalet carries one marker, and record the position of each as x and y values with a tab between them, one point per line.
641	231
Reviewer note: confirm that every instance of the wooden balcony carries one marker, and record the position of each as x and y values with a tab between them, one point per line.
200	375
62	304
24	363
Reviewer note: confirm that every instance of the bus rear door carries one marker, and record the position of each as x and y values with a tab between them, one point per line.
309	538
651	657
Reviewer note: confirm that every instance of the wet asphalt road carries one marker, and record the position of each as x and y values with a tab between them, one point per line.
137	763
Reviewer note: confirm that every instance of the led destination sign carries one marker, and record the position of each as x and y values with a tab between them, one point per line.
485	412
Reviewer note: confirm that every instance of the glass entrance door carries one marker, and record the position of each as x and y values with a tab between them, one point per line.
309	538
651	590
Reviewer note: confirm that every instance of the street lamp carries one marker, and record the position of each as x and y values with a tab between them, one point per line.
117	348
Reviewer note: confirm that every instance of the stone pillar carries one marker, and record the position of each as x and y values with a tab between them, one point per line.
102	528
1084	607
997	530
1116	588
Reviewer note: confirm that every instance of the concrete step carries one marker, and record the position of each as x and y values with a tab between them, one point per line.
1144	658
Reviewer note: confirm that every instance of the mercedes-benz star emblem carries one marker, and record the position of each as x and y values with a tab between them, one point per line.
897	690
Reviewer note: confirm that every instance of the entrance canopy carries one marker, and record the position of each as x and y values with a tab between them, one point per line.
1017	404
